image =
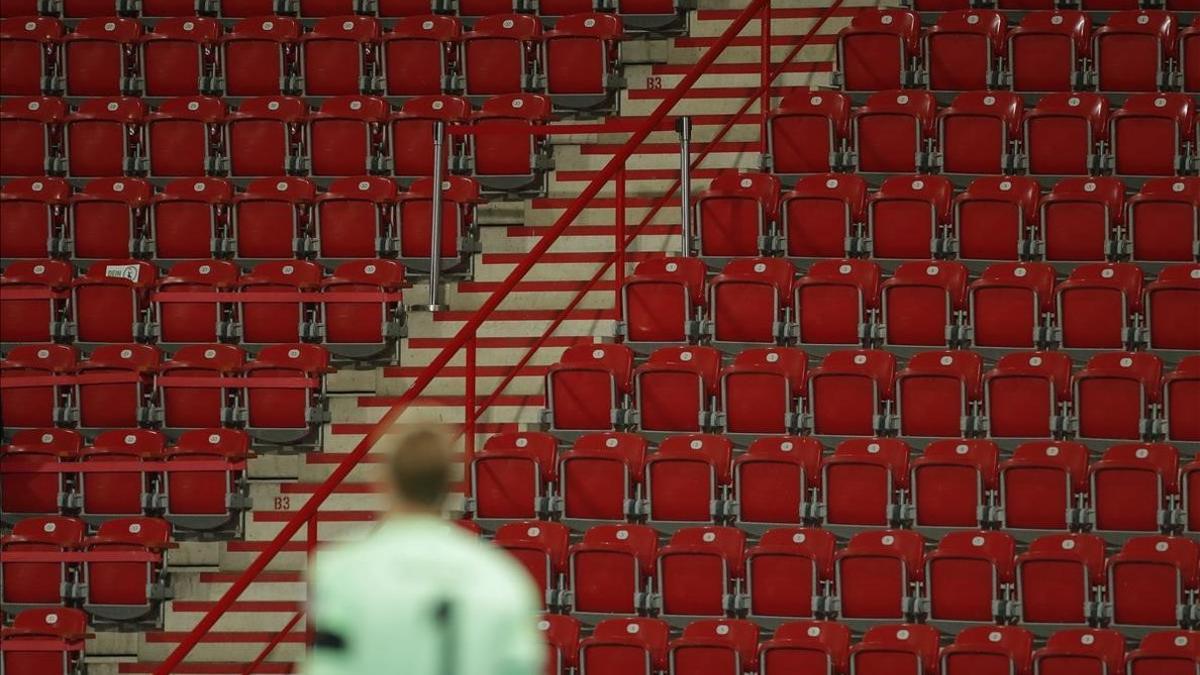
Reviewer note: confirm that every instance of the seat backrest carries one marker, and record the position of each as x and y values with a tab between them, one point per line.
1103	643
617	359
1054	365
282	108
64	622
727	542
921	105
937	191
1039	277
919	638
983	454
1183	188
515	26
740	634
62	442
792	363
877	364
189	29
1021	191
691	272
231	443
1006	106
1061	21
1162	458
215	357
907	545
706	360
537	445
999	547
990	24
58	530
217	274
1147	368
763	187
551	538
862	273
152	533
437	106
1107	190
1172	105
109	29
1185	641
426	27
632	448
134	357
966	366
51	358
1091	107
653	634
1071	456
1125	277
367	108
640	540
818	544
778	272
141	442
1015	640
276	28
902	22
591	24
714	449
300	274
849	188
948	274
804	449
1182	552
892	453
832	105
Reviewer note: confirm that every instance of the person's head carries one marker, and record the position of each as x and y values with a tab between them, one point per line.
418	469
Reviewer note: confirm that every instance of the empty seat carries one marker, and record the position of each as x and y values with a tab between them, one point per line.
686	480
715	647
107	219
1058	579
204	480
356	218
288	405
995	217
819	218
860	482
500	55
39	584
187	399
182	319
1087	651
982	649
903	649
807	132
104	495
266	137
908	217
1132	48
271	219
952	482
1040	486
1046	51
186	137
937	394
1148	132
1133	487
675	389
798	646
30	400
894	130
33	301
626	647
600	477
341	56
761	391
29	52
1011	305
582	60
787	572
1181	393
963	49
922	302
104	137
114	386
348	136
265	316
1166	652
414	215
261	56
180	57
664	300
562	637
1097	304
1152	581
541	548
33	217
698	570
420	55
1025	394
100	57
57	641
611	568
1063	134
411	132
28	492
508	155
967	577
1163	219
1079	219
776	481
749	301
1116	395
33	139
876	575
133	586
735	214
575	384
849	394
879	50
362	309
512	477
979	130
111	301
834	301
189	219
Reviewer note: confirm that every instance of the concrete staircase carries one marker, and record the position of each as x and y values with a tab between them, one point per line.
281	484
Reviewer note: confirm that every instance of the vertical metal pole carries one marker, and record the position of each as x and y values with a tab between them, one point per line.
764	73
469	405
620	242
435	224
683	126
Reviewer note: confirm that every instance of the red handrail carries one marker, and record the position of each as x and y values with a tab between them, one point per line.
465	333
262	656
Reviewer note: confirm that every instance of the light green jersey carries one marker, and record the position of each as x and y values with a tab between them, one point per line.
421	596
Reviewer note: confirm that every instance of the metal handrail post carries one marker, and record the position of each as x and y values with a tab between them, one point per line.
435	225
683	126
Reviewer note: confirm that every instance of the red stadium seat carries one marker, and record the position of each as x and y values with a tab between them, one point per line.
275	320
903	649
1152	581
908	217
420	55
562	637
952	482
271	219
541	548
414	227
1096	306
761	391
1040	485
600	477
625	647
180	58
715	647
30	493
355	218
967	578
205	487
412	133
198	406
1080	217
994	217
808	133
62	629
341	57
507	155
29	401
734	216
894	131
104	495
861	480
834	301
675	389
1025	394
749	301
39	584
500	55
100	57
963	49
611	568
266	137
348	136
261	56
776	480
819	218
850	393
186	137
697	572
1189	57
189	219
111	302
29	56
664	299
937	394
978	132
1148	134
1131	50
802	646
33	136
876	575
1063	134
288	405
1166	653
107	219
685	481
582	60
786	573
33	217
1133	486
133	590
879	50
362	309
1058	579
1011	305
922	302
1181	392
114	386
104	137
1047	49
33	303
512	477
987	649
1163	220
575	384
1082	651
1115	396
